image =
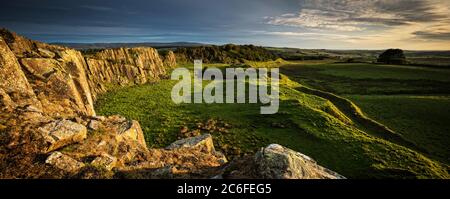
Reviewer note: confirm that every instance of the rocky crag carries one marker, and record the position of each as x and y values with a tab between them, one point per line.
49	128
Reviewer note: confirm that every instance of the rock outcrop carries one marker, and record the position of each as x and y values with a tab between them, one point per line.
47	96
278	162
123	66
170	60
60	133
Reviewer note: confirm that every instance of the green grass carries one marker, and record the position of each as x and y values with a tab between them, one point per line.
420	119
412	101
370	79
311	125
375	71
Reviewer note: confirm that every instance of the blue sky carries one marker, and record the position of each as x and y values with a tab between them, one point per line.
331	24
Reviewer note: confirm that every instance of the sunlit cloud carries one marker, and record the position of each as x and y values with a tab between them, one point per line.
406	23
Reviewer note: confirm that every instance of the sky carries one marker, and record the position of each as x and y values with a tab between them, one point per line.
317	24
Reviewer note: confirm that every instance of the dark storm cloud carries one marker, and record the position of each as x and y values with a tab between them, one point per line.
433	35
203	18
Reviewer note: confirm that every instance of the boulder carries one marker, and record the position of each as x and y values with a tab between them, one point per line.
64	162
133	132
278	162
105	161
203	142
60	133
125	130
94	125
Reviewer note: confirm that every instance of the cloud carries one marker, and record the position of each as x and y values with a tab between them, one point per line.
97	8
358	15
433	35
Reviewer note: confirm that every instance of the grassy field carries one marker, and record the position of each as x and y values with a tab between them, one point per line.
412	101
305	122
370	79
420	119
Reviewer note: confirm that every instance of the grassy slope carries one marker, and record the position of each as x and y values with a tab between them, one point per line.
412	101
420	119
312	125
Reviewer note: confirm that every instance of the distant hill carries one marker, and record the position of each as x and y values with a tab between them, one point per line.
85	46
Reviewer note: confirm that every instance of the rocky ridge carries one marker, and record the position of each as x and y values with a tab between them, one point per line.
49	128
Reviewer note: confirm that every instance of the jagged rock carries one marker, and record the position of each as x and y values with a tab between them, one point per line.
123	66
20	46
64	162
134	132
75	65
99	118
203	142
60	133
46	53
94	125
116	136
278	162
59	95
5	100
13	80
105	161
40	67
170	60
125	129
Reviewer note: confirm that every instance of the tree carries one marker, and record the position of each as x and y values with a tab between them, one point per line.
392	56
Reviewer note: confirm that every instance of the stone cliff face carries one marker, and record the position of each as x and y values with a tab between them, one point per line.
64	81
123	66
47	96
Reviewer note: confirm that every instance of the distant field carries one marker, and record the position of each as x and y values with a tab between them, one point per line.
369	79
376	71
305	122
423	120
432	61
412	101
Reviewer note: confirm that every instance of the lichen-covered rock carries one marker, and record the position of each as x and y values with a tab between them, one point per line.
64	162
114	135
5	100
20	46
75	66
278	162
60	133
46	53
105	161
125	129
13	80
123	66
40	67
203	142
170	60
